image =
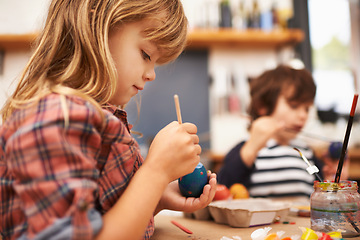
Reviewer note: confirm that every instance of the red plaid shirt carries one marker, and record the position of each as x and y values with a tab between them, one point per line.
50	171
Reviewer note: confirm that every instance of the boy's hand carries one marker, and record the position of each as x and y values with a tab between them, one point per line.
262	129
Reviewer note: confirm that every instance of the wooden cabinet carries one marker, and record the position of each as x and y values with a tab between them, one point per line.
197	39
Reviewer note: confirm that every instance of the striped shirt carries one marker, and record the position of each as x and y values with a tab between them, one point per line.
278	171
57	179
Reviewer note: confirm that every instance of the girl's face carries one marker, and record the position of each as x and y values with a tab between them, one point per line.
293	114
134	59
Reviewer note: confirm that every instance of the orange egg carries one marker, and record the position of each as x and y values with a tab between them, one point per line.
272	236
222	193
239	191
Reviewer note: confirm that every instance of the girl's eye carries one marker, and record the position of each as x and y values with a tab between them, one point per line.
145	55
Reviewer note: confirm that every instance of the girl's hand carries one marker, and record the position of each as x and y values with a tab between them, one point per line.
173	200
174	151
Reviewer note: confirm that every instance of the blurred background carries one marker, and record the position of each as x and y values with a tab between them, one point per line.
230	42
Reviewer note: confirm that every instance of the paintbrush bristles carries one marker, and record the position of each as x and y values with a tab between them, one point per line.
312	169
303	157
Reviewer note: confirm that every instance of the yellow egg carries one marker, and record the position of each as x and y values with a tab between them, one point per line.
239	191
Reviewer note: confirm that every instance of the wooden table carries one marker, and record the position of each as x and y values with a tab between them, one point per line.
209	230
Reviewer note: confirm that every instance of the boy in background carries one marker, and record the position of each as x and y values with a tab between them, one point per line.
266	163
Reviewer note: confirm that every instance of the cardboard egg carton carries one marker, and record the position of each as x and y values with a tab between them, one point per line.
248	212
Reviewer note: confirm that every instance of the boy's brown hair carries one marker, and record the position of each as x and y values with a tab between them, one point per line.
266	89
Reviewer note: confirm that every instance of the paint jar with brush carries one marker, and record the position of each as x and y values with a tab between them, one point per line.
336	207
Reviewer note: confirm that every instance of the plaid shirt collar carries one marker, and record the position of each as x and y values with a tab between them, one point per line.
120	114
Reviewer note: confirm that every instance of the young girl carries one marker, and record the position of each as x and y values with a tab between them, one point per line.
69	167
267	163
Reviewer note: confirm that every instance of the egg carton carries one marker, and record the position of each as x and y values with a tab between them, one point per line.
248	212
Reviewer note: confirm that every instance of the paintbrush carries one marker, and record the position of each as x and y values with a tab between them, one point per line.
346	139
177	107
310	135
300	133
312	169
181	227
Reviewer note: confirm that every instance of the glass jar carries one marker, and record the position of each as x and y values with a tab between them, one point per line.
336	207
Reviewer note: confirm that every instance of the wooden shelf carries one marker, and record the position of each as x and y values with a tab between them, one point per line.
208	38
16	41
197	39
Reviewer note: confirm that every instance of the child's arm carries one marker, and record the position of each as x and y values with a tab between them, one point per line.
234	169
261	131
60	163
174	152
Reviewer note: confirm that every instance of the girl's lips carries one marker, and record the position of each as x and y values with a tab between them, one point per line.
135	89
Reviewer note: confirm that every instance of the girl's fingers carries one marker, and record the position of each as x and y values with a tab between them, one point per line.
195	139
190	128
197	149
209	190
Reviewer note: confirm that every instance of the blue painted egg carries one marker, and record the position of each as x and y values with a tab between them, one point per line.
191	185
335	149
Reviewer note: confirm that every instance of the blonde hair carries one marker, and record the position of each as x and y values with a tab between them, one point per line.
72	54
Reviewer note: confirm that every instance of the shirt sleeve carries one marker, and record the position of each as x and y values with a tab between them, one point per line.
53	161
234	169
63	229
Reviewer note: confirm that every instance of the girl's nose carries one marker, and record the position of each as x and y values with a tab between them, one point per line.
150	74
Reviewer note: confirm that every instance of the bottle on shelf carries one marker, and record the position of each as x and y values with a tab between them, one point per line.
239	20
226	18
275	17
255	15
